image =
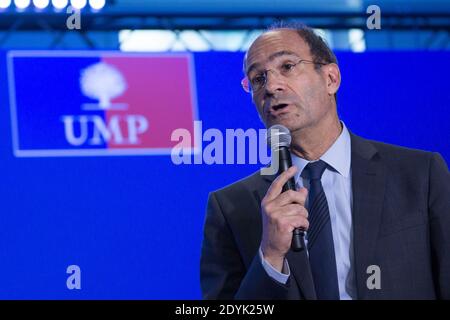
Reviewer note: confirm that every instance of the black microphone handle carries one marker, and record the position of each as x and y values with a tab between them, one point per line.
285	162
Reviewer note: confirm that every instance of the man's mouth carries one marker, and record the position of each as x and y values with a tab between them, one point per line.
279	106
277	109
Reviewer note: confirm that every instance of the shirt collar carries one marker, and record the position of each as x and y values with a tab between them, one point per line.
337	156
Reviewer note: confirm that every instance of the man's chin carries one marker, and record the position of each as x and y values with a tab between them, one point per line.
293	127
280	121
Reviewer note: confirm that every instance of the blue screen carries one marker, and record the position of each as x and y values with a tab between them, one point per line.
133	224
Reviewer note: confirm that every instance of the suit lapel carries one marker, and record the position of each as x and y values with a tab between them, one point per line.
300	268
368	184
298	261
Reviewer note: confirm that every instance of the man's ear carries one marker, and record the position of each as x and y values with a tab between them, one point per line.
333	78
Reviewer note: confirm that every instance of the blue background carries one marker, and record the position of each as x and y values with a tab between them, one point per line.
134	224
59	94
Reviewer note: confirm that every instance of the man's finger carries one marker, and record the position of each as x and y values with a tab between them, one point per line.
291	196
289	223
277	185
292	210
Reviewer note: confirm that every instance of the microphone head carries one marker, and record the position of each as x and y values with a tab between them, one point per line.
278	136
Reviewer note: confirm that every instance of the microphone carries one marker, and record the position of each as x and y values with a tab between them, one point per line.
279	140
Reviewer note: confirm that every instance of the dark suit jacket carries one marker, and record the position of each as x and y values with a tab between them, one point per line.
401	223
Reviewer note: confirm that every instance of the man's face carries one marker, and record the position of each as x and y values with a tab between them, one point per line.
294	96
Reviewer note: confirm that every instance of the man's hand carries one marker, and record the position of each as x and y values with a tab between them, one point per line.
281	214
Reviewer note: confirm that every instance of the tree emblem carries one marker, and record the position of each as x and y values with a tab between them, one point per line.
103	82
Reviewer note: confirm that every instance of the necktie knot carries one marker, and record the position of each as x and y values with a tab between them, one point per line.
314	170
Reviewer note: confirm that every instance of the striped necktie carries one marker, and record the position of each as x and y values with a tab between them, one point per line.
320	235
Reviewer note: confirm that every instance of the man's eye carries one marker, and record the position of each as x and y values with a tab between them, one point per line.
258	80
287	66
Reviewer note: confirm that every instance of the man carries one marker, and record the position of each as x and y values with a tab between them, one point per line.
377	216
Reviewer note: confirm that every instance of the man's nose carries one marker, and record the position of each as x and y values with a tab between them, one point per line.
274	83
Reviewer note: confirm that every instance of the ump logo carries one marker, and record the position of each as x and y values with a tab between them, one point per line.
103	82
99	103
